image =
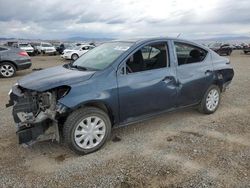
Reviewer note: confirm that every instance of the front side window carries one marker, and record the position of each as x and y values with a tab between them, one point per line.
85	48
149	57
187	54
24	45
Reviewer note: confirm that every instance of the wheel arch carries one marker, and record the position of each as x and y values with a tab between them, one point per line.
74	53
223	76
8	61
101	105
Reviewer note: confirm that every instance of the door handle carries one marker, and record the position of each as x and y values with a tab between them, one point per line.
168	79
208	72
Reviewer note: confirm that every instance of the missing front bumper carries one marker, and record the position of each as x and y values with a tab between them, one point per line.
43	131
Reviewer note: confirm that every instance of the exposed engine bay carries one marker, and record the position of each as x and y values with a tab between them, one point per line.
37	114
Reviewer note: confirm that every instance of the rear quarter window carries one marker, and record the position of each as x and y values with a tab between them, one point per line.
188	54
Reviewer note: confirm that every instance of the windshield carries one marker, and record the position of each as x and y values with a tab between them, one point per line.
46	45
102	56
215	45
69	46
75	48
24	45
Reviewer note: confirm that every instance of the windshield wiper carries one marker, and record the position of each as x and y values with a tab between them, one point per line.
78	67
71	65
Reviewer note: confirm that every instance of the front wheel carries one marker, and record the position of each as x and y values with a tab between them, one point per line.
74	57
86	130
211	100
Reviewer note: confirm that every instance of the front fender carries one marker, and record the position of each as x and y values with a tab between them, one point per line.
93	90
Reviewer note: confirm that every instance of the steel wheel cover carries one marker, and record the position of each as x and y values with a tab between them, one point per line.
212	100
89	132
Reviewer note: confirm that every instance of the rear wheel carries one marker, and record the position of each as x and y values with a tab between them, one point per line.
74	57
211	100
7	70
86	130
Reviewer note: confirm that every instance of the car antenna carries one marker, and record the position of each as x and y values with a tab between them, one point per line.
178	35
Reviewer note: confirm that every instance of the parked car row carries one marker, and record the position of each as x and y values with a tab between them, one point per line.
227	49
221	49
35	48
17	57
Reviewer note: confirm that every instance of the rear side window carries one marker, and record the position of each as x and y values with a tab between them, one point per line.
187	54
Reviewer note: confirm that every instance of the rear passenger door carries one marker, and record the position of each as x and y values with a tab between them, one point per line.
194	72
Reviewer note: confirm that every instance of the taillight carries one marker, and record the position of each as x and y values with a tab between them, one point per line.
23	54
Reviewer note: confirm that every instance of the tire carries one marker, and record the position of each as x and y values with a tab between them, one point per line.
7	70
82	127
74	57
207	107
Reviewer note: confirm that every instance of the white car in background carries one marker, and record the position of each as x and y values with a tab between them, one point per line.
76	51
46	48
26	47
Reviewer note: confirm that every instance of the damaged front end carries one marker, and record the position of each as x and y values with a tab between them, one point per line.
37	114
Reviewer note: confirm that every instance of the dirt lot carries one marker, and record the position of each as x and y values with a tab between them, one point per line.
181	149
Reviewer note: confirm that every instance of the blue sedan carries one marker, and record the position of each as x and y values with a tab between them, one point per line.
115	84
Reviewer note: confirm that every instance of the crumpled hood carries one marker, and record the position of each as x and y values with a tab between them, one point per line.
53	77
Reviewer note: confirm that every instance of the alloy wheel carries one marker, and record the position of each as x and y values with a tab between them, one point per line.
7	70
74	57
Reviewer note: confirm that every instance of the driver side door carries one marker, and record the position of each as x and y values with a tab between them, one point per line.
146	83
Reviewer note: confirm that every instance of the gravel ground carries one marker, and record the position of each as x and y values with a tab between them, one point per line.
180	149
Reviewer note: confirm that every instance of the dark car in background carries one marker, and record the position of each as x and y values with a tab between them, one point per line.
222	49
35	45
60	48
115	84
246	50
12	60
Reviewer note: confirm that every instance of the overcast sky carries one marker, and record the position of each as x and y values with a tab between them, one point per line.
58	19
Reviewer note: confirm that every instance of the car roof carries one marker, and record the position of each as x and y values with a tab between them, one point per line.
2	46
155	39
146	39
82	45
46	43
